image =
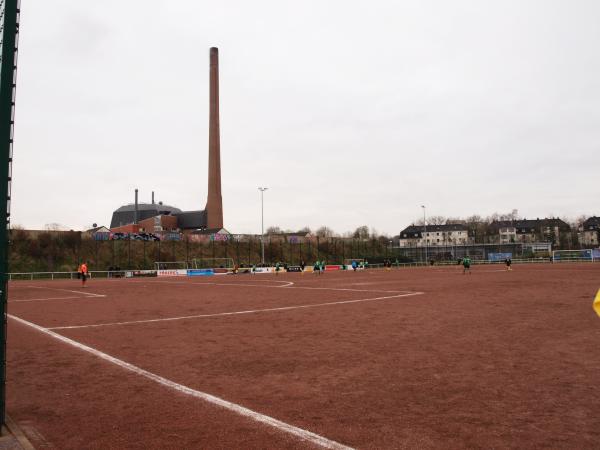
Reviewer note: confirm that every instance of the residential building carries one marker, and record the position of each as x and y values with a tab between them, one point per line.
589	232
527	231
434	235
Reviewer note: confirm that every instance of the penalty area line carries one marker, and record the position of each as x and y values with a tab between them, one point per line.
210	283
288	285
56	298
304	435
233	313
87	294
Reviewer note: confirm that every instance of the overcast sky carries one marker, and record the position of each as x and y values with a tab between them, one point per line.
351	113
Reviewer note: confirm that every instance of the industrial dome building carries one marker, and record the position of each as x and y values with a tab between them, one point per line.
128	214
156	217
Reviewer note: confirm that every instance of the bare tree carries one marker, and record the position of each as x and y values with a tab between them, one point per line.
324	232
513	215
273	230
436	220
55	227
578	222
361	232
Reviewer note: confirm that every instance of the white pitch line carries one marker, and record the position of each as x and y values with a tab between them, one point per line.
304	435
347	289
290	284
53	298
184	283
233	313
89	294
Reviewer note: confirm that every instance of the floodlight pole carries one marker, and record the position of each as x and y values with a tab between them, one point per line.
262	223
425	232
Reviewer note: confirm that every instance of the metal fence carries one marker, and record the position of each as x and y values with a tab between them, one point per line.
122	273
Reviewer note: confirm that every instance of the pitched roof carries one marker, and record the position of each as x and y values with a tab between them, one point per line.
531	225
94	230
592	223
416	231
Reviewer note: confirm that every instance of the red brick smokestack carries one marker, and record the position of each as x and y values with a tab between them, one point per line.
214	203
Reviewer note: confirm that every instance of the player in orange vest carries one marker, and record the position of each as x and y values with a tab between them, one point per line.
83	272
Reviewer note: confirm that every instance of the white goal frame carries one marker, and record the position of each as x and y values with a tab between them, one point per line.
171	265
213	263
578	255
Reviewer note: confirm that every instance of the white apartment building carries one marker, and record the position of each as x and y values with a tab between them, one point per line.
434	235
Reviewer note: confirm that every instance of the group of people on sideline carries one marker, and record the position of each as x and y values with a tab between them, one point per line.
318	268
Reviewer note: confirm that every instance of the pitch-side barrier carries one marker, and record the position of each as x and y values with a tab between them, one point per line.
262	270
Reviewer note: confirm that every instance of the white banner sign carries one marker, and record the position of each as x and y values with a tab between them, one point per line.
172	273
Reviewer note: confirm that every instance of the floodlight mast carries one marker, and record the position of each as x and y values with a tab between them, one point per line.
262	223
425	231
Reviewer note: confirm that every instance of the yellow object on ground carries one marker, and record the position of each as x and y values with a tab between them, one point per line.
597	303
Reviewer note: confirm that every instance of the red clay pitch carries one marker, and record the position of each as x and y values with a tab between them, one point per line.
495	359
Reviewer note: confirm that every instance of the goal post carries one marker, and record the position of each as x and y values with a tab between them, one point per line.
213	263
171	265
573	255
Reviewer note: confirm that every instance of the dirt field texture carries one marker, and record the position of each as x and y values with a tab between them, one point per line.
410	358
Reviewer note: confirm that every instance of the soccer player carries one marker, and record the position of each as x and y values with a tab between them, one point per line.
317	267
466	265
277	267
322	267
83	273
508	262
354	265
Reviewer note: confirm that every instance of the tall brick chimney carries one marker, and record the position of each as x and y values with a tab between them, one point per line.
214	203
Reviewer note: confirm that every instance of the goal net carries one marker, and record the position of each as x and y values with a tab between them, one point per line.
171	265
573	255
212	263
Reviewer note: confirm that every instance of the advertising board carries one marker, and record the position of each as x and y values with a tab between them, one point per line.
499	256
200	272
172	273
140	273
